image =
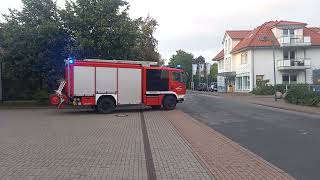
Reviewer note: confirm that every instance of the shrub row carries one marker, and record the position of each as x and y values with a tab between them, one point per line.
301	95
296	94
269	89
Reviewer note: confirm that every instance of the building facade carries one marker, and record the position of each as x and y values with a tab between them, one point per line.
250	56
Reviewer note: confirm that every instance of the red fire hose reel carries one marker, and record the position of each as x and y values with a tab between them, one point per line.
58	100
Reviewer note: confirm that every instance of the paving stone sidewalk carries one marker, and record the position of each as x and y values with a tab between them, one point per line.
79	144
47	144
172	155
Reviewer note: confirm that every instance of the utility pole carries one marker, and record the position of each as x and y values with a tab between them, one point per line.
1	85
199	71
207	80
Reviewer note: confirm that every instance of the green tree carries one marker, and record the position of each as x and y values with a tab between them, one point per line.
37	39
34	42
147	43
103	29
213	73
185	60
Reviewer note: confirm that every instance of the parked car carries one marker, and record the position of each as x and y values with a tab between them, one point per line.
213	87
202	87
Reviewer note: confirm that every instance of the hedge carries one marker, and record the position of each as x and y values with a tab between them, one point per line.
301	95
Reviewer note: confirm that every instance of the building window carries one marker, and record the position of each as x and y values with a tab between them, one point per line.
285	79
289	54
259	80
285	54
291	32
293	79
239	83
244	58
288	32
243	83
226	46
285	32
246	82
292	55
289	79
221	64
259	77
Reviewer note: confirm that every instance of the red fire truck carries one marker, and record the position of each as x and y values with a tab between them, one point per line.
106	84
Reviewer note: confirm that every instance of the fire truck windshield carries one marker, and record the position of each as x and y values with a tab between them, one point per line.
177	76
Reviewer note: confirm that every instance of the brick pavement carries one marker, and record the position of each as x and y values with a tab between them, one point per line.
77	144
173	158
46	144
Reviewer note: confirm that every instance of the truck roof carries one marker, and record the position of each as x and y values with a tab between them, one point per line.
147	64
143	63
166	68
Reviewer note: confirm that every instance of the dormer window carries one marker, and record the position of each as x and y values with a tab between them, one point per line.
288	32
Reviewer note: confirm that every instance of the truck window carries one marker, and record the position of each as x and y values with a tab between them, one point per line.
157	80
177	76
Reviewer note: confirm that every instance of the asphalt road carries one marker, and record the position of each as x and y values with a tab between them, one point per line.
287	139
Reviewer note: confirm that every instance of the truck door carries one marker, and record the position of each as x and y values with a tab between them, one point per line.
129	86
177	83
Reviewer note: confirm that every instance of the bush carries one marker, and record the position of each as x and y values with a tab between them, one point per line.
271	90
264	90
300	94
41	96
282	88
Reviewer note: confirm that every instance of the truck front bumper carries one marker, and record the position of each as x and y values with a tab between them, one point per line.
181	98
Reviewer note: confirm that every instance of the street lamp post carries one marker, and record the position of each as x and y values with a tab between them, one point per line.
274	70
274	64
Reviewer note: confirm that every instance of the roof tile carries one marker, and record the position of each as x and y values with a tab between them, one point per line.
263	36
239	34
219	56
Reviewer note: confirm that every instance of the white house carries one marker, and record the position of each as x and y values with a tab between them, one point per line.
249	55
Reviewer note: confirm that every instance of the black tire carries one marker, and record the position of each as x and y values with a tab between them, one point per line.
169	102
105	106
156	107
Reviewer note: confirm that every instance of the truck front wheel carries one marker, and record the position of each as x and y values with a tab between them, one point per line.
105	106
169	102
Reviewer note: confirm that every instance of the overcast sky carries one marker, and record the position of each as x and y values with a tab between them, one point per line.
198	26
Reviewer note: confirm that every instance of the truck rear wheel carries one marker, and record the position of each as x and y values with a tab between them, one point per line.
169	102
105	106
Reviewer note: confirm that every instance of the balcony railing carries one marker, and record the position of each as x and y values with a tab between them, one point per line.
294	41
294	64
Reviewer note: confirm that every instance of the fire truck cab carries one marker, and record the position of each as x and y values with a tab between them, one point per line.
106	84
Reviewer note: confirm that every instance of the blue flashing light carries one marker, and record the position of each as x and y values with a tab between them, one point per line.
71	60
178	66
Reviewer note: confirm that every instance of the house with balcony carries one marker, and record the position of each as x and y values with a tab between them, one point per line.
277	52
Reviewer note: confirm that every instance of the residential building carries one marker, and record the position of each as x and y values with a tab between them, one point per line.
248	55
